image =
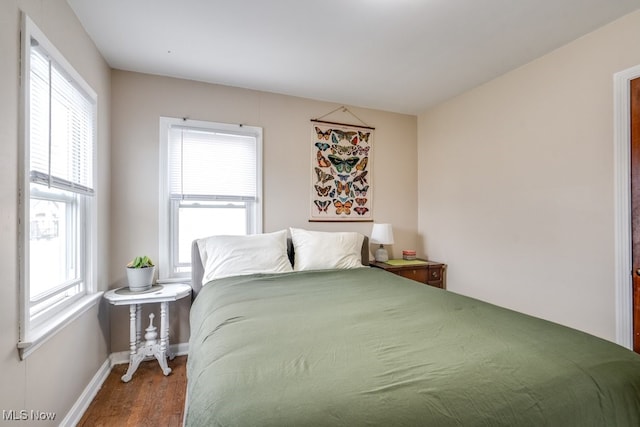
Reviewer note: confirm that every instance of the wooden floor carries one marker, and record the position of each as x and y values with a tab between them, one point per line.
149	399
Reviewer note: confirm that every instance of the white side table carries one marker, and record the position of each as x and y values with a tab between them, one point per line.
139	350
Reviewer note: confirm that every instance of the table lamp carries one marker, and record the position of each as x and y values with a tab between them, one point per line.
382	234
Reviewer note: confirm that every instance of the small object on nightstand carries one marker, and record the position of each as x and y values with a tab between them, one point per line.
409	254
140	273
382	234
428	272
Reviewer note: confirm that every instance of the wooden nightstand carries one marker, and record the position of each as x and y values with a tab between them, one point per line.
429	272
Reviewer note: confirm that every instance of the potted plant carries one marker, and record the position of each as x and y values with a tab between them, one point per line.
140	273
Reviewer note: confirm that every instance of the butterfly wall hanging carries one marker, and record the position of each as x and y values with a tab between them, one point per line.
341	188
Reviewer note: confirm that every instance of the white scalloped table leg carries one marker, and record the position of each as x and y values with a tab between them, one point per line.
134	362
162	361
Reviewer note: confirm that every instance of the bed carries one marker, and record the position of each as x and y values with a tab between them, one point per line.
361	346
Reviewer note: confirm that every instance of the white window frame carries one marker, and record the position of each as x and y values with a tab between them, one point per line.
35	330
168	218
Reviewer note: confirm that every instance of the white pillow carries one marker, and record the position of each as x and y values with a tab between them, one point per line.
224	256
318	250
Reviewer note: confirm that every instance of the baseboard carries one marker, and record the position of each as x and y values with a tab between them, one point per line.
78	409
123	356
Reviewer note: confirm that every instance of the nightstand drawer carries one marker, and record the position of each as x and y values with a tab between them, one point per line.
418	274
435	273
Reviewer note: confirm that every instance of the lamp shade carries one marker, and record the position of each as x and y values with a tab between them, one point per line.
382	234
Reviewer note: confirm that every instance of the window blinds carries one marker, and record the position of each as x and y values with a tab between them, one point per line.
206	165
62	126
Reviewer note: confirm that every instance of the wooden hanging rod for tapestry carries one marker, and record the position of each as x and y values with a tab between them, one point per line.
344	110
339	220
341	124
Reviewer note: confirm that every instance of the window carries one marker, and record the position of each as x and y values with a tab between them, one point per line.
57	194
210	184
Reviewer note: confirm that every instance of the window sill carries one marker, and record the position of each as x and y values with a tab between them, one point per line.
40	335
185	279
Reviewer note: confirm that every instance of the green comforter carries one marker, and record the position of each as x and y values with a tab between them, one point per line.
365	347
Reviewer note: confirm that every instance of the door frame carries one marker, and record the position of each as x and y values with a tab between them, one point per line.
622	202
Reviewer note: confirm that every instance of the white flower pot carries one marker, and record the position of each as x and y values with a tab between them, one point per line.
140	279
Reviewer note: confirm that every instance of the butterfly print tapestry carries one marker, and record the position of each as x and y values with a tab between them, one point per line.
341	188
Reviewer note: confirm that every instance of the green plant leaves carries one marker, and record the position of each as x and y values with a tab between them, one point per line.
140	262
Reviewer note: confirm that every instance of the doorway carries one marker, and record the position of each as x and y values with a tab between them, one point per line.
634	129
623	269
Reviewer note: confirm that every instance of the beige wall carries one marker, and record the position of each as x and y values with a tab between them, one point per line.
54	376
516	183
138	102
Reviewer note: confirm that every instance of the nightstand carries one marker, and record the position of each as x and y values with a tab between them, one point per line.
427	272
140	349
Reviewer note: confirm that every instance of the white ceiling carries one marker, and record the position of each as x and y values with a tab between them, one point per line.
394	55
